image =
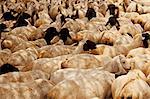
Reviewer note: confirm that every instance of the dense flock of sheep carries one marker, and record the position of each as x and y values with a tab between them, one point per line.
74	49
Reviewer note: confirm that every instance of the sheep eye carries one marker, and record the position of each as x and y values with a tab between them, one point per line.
123	62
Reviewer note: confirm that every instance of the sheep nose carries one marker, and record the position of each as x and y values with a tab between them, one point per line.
128	68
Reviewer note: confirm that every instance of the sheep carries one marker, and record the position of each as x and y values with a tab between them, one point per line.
5	68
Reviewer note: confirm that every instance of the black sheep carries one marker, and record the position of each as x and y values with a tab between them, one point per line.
21	19
75	16
63	19
2	27
112	8
89	45
7	68
63	34
113	22
90	13
23	15
34	17
146	37
20	23
50	33
8	16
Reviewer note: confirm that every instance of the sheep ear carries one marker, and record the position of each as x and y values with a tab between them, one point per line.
121	66
119	59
